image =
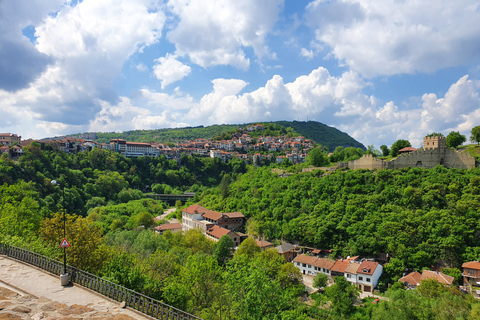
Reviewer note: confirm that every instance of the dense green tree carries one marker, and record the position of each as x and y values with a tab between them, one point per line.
454	139
398	145
385	150
320	281
248	247
317	157
223	249
342	295
475	135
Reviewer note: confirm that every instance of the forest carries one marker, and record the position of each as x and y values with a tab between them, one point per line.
421	218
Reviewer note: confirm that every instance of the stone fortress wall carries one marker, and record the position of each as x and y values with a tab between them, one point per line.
433	153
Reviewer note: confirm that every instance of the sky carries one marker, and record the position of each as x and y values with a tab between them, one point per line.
379	70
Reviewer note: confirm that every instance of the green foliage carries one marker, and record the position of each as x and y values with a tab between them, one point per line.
385	150
454	139
435	134
223	250
320	281
317	157
454	272
398	145
248	247
475	135
342	295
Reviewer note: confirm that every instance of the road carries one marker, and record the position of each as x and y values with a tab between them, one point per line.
166	213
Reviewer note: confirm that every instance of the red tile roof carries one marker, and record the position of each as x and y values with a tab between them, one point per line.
340	265
234	215
305	259
440	277
263	243
352	267
324	263
213	215
407	149
471	265
217	232
413	278
367	267
195	209
169	226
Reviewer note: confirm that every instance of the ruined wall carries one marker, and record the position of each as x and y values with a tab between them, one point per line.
427	159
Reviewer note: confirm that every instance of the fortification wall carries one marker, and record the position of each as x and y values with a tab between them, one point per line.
427	159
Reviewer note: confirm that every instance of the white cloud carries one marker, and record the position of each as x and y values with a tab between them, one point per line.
215	32
386	37
307	53
169	70
141	67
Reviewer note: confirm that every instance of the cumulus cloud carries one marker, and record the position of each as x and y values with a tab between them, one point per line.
306	53
378	37
20	61
215	32
169	70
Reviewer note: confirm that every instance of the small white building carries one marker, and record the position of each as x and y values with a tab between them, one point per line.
368	274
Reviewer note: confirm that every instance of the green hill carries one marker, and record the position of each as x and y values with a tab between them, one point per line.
318	132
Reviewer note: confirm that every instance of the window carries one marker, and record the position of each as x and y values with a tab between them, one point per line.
234	239
367	279
348	276
470	271
309	266
360	278
298	263
304	265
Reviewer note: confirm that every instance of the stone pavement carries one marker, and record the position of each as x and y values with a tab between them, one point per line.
29	293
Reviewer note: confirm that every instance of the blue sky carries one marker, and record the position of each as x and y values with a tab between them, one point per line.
380	70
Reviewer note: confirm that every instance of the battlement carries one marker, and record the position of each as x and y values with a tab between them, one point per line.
433	142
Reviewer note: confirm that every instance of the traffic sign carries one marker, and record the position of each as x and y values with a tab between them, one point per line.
64	243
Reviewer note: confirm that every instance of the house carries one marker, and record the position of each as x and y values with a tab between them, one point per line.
411	280
229	220
313	265
215	233
368	274
338	269
264	245
173	227
440	277
471	272
192	218
351	271
289	251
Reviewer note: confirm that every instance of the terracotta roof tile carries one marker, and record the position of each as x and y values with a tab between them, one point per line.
440	277
413	278
471	265
169	226
367	267
217	232
352	268
324	263
340	265
234	215
213	215
195	209
263	243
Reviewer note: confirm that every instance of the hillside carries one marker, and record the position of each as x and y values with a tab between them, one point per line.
318	132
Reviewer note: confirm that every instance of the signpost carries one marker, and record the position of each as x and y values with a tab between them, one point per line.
64	243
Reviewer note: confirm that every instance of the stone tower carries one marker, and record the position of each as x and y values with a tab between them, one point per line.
436	142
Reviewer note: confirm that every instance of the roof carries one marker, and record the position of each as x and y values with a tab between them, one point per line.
367	267
340	265
305	259
195	209
413	278
472	265
440	277
217	232
234	215
169	226
407	149
324	263
285	247
213	215
263	243
352	268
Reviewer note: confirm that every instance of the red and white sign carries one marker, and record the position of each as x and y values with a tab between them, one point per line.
64	243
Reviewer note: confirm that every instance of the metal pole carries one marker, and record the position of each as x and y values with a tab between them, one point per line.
64	233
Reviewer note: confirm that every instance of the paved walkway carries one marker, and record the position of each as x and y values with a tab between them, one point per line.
27	279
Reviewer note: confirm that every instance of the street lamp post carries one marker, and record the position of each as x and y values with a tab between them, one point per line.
64	276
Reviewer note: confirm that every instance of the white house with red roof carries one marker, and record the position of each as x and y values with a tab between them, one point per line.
368	274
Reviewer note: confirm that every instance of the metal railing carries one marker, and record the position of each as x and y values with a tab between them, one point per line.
134	300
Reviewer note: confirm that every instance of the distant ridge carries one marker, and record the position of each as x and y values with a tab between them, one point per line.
320	133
